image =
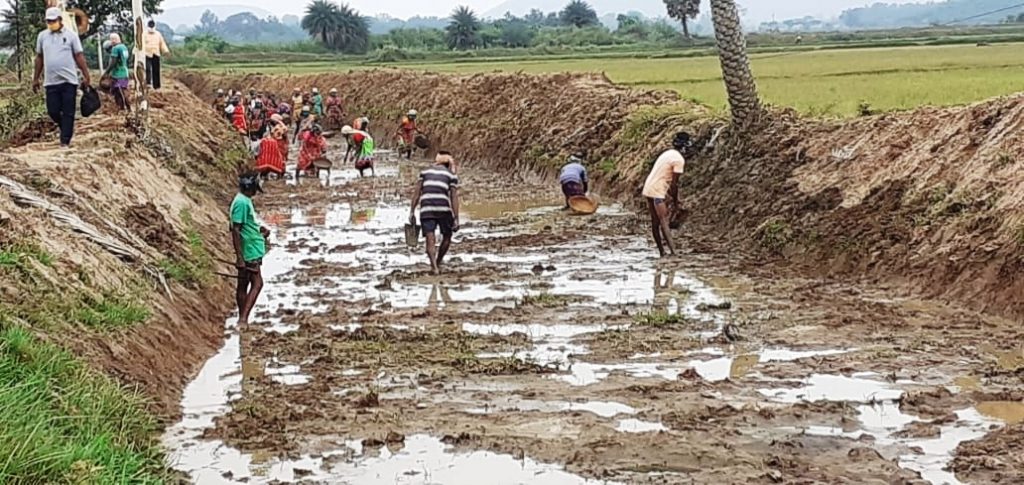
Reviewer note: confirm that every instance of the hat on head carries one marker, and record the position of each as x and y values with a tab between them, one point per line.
53	13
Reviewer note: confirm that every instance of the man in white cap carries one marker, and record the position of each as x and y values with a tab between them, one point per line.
59	53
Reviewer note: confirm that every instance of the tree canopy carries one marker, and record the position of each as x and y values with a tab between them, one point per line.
683	11
338	27
462	31
578	13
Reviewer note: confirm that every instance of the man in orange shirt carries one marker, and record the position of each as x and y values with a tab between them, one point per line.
662	191
155	47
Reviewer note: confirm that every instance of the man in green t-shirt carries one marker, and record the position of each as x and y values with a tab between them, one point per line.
118	71
250	241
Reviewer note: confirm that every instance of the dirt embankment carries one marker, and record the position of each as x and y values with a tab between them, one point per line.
930	200
108	248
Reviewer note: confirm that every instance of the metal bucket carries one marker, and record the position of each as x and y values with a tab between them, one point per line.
412	235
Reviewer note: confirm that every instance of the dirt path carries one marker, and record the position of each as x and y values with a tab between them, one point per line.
557	349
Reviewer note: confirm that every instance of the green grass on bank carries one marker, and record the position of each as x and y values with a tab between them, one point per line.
196	267
841	82
62	423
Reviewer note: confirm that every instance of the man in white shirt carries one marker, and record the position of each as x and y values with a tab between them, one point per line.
155	47
662	191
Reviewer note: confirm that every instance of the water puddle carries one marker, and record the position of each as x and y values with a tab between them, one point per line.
823	387
638	426
286	374
599	408
552	344
736	367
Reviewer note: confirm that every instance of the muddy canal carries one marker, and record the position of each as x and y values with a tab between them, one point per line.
557	349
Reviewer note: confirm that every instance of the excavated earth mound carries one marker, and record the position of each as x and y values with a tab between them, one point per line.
118	234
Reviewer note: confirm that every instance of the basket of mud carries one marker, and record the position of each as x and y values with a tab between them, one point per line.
422	142
323	163
583	205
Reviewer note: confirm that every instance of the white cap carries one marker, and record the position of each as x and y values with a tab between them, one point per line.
53	13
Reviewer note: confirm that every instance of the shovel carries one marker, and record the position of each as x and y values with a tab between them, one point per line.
412	233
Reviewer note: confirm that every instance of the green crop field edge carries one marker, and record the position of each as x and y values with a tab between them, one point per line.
65	423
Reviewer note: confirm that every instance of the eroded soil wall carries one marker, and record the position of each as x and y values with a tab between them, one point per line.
164	200
928	200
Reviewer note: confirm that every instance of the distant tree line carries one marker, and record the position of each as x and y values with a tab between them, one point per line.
342	29
247	28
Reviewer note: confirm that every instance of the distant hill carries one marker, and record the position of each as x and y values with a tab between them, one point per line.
190	15
962	12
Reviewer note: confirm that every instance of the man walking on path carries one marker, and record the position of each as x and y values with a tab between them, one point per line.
155	47
662	191
118	70
59	53
437	194
249	241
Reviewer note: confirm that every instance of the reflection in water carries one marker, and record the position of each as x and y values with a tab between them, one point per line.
362	216
439	297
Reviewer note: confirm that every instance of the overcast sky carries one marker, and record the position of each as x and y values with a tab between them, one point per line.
395	8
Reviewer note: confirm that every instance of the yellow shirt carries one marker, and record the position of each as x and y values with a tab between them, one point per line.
155	44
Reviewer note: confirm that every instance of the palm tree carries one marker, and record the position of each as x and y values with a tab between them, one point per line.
732	53
578	14
321	20
463	29
352	34
683	10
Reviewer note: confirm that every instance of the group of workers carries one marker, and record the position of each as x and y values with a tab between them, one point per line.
266	123
436	195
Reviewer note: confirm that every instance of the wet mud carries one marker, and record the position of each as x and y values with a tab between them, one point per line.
558	349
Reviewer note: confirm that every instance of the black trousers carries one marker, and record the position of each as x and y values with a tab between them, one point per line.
60	105
153	71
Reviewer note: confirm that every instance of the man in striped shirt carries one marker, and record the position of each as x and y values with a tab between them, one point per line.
437	195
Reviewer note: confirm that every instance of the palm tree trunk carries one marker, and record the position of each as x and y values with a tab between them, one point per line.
686	29
732	52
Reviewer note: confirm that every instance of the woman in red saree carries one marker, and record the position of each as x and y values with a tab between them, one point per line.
238	119
279	131
313	147
269	159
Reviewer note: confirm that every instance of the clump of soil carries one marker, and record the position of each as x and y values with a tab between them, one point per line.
996	458
146	221
33	131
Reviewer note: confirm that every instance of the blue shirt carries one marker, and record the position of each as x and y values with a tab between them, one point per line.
573	172
58	50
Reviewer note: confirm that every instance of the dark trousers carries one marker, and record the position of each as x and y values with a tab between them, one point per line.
60	105
153	71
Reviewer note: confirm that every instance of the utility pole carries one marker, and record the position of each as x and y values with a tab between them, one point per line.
17	42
